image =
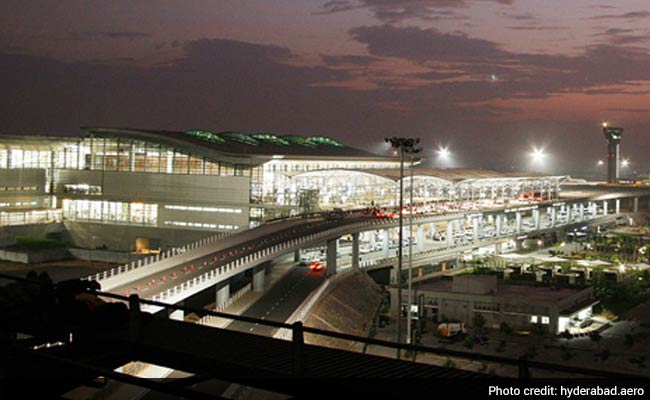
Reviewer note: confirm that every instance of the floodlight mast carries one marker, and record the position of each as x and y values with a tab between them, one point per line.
405	146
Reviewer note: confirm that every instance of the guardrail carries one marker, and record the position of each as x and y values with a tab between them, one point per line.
134	265
298	330
15	218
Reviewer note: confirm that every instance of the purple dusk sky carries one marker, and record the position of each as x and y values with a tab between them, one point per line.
491	79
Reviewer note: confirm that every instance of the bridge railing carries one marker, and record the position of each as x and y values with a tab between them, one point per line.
147	261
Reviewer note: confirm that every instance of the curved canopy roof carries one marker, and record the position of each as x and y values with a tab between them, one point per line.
238	143
457	175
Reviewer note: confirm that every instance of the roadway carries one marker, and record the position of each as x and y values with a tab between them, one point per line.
278	303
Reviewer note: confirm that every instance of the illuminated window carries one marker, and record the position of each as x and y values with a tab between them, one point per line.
533	319
82	188
111	212
202	225
546	320
204	209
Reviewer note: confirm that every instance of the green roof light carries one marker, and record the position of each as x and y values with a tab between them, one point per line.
299	140
325	141
206	136
271	139
240	137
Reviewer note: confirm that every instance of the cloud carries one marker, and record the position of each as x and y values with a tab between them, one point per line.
348	60
629	15
394	11
128	35
231	85
424	44
622	36
538	28
489	72
519	17
218	84
631	110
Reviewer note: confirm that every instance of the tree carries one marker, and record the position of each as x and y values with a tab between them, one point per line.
566	335
478	321
595	337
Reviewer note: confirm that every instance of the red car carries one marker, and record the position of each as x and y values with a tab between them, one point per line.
316	266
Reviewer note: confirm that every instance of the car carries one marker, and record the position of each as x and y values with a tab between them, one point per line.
304	261
365	249
316	266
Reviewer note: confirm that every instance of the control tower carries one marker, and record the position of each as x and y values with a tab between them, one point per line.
613	136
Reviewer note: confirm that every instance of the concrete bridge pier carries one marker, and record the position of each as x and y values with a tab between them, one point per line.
384	243
518	222
475	227
536	218
355	250
296	255
222	293
617	206
553	211
635	205
450	233
498	222
581	212
605	205
259	277
498	248
432	230
419	236
332	249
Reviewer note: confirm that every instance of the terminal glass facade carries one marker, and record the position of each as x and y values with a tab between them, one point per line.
115	212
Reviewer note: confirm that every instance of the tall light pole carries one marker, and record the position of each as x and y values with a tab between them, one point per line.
409	335
403	145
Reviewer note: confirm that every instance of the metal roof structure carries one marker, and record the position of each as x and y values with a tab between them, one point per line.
238	143
260	144
454	175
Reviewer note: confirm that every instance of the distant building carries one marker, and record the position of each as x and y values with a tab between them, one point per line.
519	306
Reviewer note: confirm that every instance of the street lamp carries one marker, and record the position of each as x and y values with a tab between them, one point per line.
403	146
409	334
538	155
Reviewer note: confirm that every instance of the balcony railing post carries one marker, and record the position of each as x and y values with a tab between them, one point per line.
524	373
298	349
135	317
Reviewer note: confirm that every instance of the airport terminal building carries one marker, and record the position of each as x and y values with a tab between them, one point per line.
111	186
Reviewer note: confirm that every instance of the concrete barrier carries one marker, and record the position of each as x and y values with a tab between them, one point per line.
34	257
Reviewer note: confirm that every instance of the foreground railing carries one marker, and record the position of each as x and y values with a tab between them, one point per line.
523	364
